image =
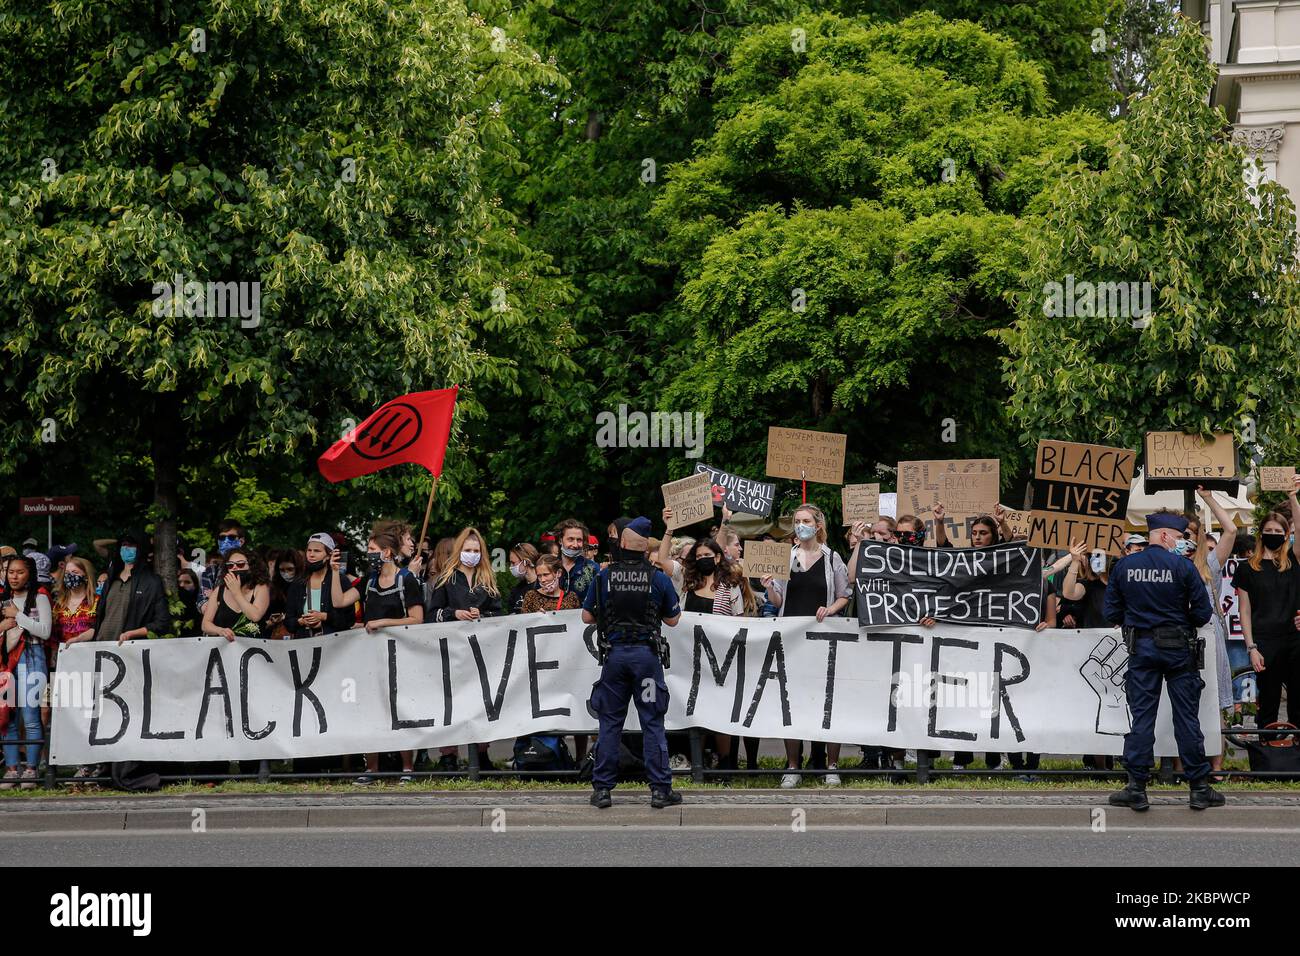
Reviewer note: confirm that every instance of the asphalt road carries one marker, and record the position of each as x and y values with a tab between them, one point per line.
635	846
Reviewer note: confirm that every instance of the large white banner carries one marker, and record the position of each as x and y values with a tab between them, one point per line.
943	688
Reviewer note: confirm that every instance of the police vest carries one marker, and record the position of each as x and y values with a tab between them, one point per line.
631	611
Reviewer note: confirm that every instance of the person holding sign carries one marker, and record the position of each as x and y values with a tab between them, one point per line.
1160	601
818	587
1269	596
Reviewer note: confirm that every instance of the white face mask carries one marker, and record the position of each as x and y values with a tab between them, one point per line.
806	532
1097	562
519	570
470	558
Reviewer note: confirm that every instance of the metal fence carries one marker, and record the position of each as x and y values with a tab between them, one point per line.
923	773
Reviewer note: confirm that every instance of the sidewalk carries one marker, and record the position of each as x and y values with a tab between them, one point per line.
752	808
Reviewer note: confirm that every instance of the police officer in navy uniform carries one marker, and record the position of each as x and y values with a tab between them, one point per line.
628	601
1160	600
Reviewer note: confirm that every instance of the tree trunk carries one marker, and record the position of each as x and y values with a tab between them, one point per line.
167	449
820	397
594	125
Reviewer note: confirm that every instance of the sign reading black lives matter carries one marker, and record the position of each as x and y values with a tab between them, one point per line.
898	584
739	494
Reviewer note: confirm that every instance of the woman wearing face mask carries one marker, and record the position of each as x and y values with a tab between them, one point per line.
389	598
523	568
190	621
1267	594
74	620
242	591
26	623
309	605
465	590
547	596
818	587
288	565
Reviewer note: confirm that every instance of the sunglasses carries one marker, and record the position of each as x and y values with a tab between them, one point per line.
237	567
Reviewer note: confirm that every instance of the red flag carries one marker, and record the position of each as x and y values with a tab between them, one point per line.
412	428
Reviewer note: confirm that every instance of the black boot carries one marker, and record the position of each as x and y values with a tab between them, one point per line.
1134	796
664	798
1204	796
601	800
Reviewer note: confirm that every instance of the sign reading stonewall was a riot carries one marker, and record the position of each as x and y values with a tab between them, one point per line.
429	685
740	494
899	584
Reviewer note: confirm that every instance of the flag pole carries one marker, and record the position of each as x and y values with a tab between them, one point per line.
428	508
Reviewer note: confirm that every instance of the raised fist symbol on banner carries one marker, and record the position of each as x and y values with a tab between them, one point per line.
1105	670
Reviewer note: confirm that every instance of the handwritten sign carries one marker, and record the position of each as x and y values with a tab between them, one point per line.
1080	494
1177	461
813	456
1272	478
739	494
1018	522
923	484
767	559
860	502
691	499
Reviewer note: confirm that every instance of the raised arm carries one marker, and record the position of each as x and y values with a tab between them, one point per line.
1222	550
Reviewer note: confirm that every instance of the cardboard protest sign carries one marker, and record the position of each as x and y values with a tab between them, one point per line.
1018	522
860	502
924	484
739	494
1174	461
1272	478
1080	494
897	584
798	453
691	499
767	559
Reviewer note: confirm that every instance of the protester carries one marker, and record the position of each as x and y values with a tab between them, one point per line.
389	597
707	582
26	623
818	587
242	597
1210	560
1267	594
547	595
578	570
310	610
523	568
466	590
188	587
288	566
134	603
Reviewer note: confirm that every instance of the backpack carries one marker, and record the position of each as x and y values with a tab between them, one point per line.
1278	755
542	752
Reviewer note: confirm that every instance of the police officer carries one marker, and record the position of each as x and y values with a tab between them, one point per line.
1160	600
628	601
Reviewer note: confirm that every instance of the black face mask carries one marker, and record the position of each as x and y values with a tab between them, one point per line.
626	554
244	576
314	566
706	565
1273	541
915	538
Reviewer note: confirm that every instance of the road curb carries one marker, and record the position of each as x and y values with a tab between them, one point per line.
634	812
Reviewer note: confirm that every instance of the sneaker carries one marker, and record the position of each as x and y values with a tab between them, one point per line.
678	762
601	800
664	798
364	780
405	778
10	778
959	766
832	779
788	782
29	779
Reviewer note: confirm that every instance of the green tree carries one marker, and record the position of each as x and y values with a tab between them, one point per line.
846	234
333	153
1169	208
